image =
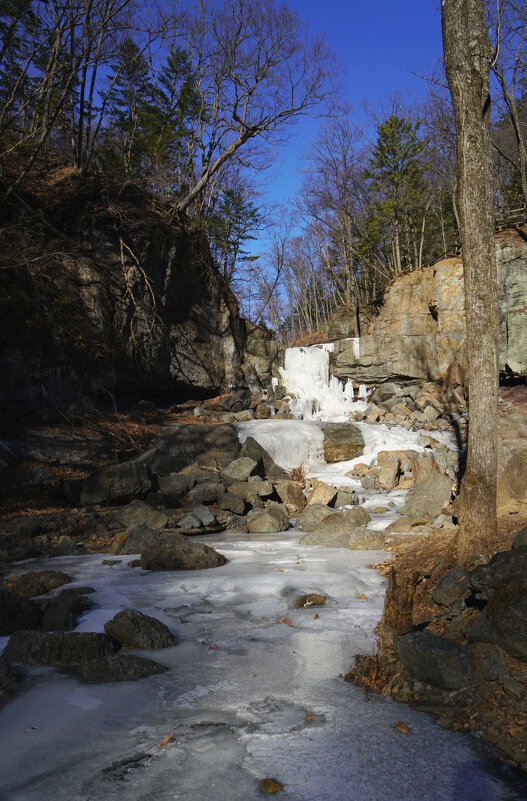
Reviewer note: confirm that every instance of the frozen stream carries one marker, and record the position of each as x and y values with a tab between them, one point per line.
253	688
247	696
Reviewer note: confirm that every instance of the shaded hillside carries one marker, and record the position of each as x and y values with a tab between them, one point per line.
98	288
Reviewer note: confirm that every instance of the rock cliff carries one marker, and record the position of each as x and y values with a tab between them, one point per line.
420	328
105	291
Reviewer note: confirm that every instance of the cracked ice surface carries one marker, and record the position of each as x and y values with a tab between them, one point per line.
266	701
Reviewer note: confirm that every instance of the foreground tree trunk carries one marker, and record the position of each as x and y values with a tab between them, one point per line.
468	56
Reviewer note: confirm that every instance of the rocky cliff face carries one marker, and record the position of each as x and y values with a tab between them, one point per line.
116	297
420	329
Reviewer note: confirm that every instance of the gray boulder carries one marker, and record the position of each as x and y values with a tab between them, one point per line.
290	492
240	469
204	514
358	516
8	677
206	493
230	502
176	552
190	521
17	613
139	513
330	538
365	539
435	660
507	567
38	648
429	496
135	630
174	487
503	622
453	587
312	515
210	445
133	540
62	613
342	442
121	667
116	483
39	582
252	449
268	520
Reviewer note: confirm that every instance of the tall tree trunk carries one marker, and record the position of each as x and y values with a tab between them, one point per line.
468	55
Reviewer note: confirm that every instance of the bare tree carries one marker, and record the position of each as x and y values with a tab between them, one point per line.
468	57
255	70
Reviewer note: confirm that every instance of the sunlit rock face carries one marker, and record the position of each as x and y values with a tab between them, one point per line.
420	328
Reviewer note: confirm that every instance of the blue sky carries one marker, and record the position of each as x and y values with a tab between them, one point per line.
380	44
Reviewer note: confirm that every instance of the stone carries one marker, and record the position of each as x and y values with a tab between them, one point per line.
270	786
311	599
17	612
435	660
245	416
453	587
139	513
429	496
39	582
512	477
406	524
385	391
175	487
290	492
503	622
176	552
345	497
342	442
262	487
520	540
121	667
254	450
389	470
365	539
331	538
430	413
263	411
231	502
189	521
234	401
240	469
116	483
371	481
323	493
133	629
206	493
204	515
210	445
38	648
268	520
159	463
62	613
8	677
505	568
423	465
133	540
312	515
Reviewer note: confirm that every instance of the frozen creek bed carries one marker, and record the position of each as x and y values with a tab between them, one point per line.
247	696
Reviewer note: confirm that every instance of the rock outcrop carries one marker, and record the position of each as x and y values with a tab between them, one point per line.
420	329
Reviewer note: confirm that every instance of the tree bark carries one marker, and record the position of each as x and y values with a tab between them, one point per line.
468	56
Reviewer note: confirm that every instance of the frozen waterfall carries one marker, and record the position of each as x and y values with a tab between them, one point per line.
315	394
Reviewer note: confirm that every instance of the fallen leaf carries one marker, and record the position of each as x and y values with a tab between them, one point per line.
279	570
213	647
309	715
255	675
317	616
402	727
363	597
166	740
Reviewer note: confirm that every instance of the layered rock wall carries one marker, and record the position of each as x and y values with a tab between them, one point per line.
420	328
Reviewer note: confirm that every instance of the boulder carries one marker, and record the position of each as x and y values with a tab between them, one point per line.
17	612
365	539
240	469
312	515
211	445
62	613
189	521
135	630
406	524
520	540
174	487
8	677
38	648
429	496
204	515
505	568
331	538
345	497
252	449
39	582
322	494
342	441
230	502
503	622
512	478
268	520
389	470
133	540
435	660
453	587
357	516
116	483
176	552
139	513
121	667
290	492
206	493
